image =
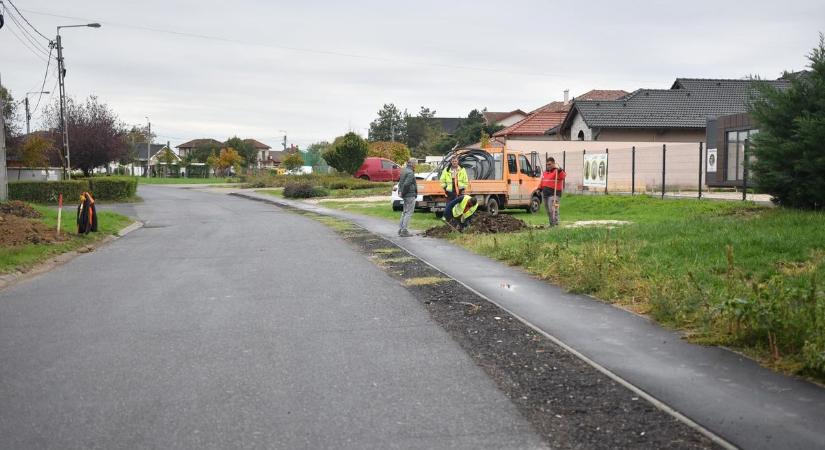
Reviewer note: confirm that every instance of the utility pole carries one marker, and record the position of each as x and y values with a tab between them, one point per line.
4	186
28	113
61	74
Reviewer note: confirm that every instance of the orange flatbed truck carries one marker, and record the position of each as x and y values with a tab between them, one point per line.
511	182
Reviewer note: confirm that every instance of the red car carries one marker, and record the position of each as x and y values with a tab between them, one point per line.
378	169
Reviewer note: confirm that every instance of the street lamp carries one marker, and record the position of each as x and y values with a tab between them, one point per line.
28	114
61	75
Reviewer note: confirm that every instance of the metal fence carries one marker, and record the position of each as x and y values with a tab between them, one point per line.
655	169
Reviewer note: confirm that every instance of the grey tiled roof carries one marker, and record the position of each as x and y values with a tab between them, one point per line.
688	104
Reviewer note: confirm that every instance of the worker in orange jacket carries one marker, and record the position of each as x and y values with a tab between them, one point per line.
552	185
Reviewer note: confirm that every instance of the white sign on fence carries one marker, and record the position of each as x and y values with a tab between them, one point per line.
595	169
711	160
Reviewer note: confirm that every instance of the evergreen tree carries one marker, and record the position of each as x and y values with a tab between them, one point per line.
789	150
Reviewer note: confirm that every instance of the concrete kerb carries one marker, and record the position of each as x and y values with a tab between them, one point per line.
11	279
615	377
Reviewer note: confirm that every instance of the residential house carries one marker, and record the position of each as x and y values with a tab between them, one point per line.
678	114
263	150
533	126
187	147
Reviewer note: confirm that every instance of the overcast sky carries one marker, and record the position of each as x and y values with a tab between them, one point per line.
317	69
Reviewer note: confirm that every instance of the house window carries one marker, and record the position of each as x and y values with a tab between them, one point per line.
581	135
736	153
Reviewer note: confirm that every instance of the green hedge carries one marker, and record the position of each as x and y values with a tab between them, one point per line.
113	188
102	188
47	191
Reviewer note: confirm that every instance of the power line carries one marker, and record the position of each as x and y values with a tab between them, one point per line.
301	49
27	20
25	44
26	34
45	76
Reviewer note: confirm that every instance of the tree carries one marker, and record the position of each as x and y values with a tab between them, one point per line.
247	151
34	149
423	132
391	125
202	152
347	153
10	116
168	158
293	161
788	152
395	151
96	137
228	157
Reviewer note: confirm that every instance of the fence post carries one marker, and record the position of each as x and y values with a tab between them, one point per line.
584	151
606	169
745	171
633	171
564	159
664	151
700	169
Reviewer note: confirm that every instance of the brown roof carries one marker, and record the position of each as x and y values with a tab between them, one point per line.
197	142
553	114
535	124
257	144
593	94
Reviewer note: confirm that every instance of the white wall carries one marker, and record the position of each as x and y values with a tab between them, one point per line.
34	174
579	125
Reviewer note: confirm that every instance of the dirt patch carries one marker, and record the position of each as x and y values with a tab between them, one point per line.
16	231
19	209
483	223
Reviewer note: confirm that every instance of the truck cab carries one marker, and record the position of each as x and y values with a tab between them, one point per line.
498	178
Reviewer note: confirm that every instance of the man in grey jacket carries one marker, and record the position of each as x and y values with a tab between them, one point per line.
408	191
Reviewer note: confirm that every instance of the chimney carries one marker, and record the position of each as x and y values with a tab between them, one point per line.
566	96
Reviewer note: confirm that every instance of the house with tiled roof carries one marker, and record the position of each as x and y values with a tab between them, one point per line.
535	124
678	114
187	147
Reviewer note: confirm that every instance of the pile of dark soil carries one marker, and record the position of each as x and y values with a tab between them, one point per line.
483	222
16	231
19	209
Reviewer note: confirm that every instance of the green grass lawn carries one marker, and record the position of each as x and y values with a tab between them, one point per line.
218	180
730	273
22	257
275	192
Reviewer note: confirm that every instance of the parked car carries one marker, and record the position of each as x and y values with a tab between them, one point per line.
398	203
378	169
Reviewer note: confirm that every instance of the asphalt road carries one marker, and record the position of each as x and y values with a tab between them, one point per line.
233	324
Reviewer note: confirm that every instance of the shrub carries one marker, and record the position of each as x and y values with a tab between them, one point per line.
347	153
47	191
303	189
113	188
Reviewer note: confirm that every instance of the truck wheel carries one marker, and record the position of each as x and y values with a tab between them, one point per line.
439	214
535	205
364	177
492	206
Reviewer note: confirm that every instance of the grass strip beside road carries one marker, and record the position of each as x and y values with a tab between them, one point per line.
25	256
727	273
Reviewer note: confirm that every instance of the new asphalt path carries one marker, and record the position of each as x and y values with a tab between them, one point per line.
227	323
731	396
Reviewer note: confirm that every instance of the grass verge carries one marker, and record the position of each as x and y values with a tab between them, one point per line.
25	256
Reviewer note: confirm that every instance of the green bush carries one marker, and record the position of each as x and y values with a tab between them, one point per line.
112	188
303	189
47	191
